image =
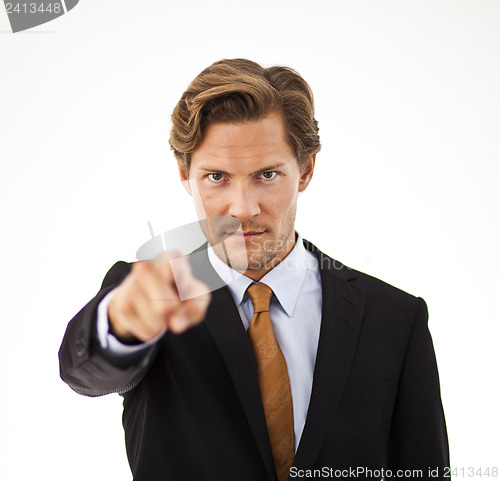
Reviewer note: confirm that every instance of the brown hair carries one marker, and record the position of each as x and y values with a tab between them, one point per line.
239	90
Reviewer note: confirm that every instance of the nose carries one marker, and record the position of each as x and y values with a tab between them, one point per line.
244	203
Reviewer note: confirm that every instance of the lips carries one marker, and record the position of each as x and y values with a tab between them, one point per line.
245	236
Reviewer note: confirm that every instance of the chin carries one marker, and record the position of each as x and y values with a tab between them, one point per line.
239	259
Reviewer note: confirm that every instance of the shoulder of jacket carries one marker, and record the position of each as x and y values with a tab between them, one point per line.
117	273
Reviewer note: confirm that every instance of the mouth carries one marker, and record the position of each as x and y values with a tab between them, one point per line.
245	236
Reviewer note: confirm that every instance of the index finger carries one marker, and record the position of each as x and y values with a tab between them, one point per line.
188	286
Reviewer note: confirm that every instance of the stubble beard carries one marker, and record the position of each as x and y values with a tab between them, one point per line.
255	255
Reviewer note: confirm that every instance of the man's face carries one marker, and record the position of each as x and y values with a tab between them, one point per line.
248	172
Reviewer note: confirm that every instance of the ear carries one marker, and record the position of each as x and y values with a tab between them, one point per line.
306	172
184	178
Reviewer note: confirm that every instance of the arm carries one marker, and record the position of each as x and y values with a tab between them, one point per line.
84	365
145	304
418	433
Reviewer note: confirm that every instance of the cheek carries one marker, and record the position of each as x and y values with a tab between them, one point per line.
280	207
213	202
286	195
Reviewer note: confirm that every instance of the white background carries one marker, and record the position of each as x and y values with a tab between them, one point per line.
406	186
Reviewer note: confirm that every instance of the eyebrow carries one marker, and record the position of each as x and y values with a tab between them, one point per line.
265	169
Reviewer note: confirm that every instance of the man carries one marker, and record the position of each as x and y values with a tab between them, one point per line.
298	367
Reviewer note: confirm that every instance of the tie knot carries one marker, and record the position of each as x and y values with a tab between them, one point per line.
260	294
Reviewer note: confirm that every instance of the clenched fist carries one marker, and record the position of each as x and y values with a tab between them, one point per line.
148	301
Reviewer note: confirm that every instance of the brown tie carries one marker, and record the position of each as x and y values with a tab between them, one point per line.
273	380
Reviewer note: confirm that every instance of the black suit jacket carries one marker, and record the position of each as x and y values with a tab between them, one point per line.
192	406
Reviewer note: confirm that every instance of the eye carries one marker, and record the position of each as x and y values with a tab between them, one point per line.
269	175
215	177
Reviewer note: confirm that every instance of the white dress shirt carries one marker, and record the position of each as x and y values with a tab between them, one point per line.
295	311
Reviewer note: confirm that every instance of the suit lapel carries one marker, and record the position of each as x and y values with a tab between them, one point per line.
224	324
342	312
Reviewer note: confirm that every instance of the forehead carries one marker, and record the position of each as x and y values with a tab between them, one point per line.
248	142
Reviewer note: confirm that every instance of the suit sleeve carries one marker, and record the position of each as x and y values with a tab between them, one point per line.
418	433
84	365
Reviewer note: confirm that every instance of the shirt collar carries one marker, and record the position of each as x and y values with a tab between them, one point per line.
286	279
